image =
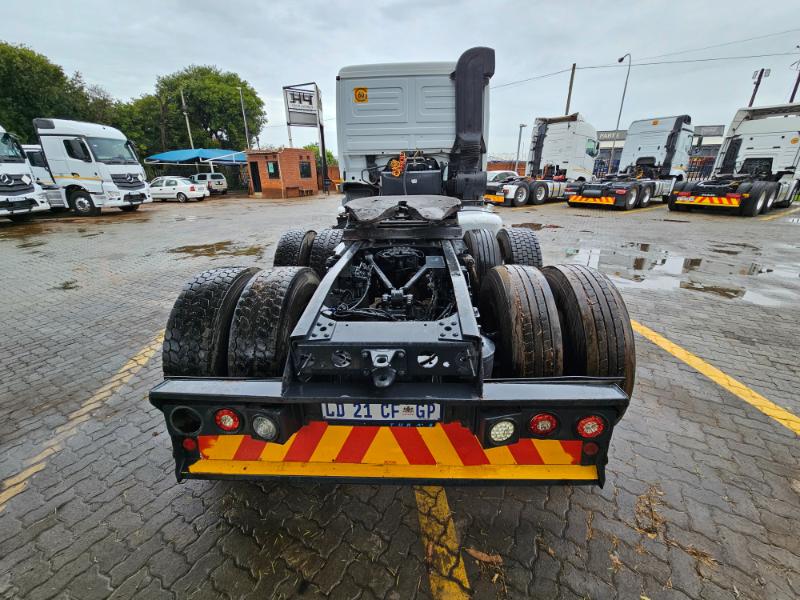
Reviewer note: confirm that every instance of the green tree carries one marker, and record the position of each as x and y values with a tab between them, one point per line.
330	158
213	107
32	86
144	121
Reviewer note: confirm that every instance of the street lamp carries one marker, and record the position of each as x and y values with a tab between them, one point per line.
244	116
619	115
519	143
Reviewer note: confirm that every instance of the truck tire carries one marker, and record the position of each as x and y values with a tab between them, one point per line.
596	328
485	251
681	186
519	246
521	194
294	248
757	200
83	205
630	198
539	193
323	248
267	312
516	304
771	195
645	195
196	337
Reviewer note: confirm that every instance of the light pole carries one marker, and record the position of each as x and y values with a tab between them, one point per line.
186	116
619	115
519	143
757	77
244	116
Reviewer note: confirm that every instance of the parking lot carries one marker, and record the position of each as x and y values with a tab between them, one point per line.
703	487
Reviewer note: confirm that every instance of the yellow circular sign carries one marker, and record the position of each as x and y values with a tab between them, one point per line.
794	140
656	122
360	95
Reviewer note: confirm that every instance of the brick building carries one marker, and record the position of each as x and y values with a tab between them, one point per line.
286	173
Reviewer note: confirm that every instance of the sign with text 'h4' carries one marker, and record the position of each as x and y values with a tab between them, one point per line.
302	106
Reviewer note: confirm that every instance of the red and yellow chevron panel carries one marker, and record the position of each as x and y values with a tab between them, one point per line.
708	201
445	451
585	200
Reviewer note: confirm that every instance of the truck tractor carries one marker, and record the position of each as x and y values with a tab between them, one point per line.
20	194
563	149
655	156
96	166
756	168
409	342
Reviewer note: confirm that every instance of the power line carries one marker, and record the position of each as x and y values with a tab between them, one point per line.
645	64
750	39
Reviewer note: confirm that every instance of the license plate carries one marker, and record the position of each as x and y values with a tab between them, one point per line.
429	412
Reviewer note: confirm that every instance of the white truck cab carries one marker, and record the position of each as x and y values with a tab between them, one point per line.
95	165
662	144
20	194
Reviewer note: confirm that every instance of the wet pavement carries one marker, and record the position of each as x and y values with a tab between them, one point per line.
703	487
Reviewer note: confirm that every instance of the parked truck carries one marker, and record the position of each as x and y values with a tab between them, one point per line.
756	168
655	156
562	150
95	165
20	194
397	346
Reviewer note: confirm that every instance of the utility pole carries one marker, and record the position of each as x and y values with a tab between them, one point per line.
796	66
757	76
569	93
244	116
186	116
619	115
519	143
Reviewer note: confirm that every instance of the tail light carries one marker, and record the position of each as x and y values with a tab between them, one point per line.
733	195
683	193
590	449
620	191
227	420
189	444
191	188
591	427
543	424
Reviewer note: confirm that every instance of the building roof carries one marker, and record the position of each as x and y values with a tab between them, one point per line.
196	155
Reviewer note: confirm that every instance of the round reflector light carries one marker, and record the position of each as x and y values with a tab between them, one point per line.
189	444
227	420
591	427
502	431
590	448
543	424
265	428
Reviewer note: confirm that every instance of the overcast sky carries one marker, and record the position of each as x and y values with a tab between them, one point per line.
124	45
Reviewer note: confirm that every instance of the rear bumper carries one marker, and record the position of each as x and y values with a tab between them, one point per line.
718	201
449	450
596	200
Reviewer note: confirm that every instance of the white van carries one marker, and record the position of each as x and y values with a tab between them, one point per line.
20	194
215	182
95	165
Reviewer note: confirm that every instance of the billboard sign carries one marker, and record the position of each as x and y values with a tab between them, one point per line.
302	106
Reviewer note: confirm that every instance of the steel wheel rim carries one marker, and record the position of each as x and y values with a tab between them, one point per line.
540	193
82	204
520	195
760	203
630	201
646	197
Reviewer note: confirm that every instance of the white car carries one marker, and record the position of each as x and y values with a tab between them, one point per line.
177	188
216	182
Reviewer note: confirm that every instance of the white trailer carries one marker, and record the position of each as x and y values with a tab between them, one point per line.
95	165
756	168
654	157
563	149
20	194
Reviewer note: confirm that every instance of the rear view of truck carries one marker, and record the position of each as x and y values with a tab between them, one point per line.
410	342
756	168
655	156
562	150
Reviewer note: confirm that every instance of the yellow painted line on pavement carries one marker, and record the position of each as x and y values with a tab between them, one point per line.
780	214
16	484
446	572
735	387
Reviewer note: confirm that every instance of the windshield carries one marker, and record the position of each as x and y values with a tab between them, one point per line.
10	150
112	151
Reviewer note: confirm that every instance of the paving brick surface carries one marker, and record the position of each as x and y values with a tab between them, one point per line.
702	493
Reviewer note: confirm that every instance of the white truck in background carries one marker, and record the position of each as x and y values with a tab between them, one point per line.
20	194
95	165
563	149
757	165
655	156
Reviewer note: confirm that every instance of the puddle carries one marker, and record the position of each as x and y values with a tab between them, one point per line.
675	221
224	248
70	284
536	226
31	244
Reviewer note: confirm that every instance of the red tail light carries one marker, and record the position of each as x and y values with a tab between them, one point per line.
543	424
683	193
590	449
733	195
227	420
591	427
189	444
620	191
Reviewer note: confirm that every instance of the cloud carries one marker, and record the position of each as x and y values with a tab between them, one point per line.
124	46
